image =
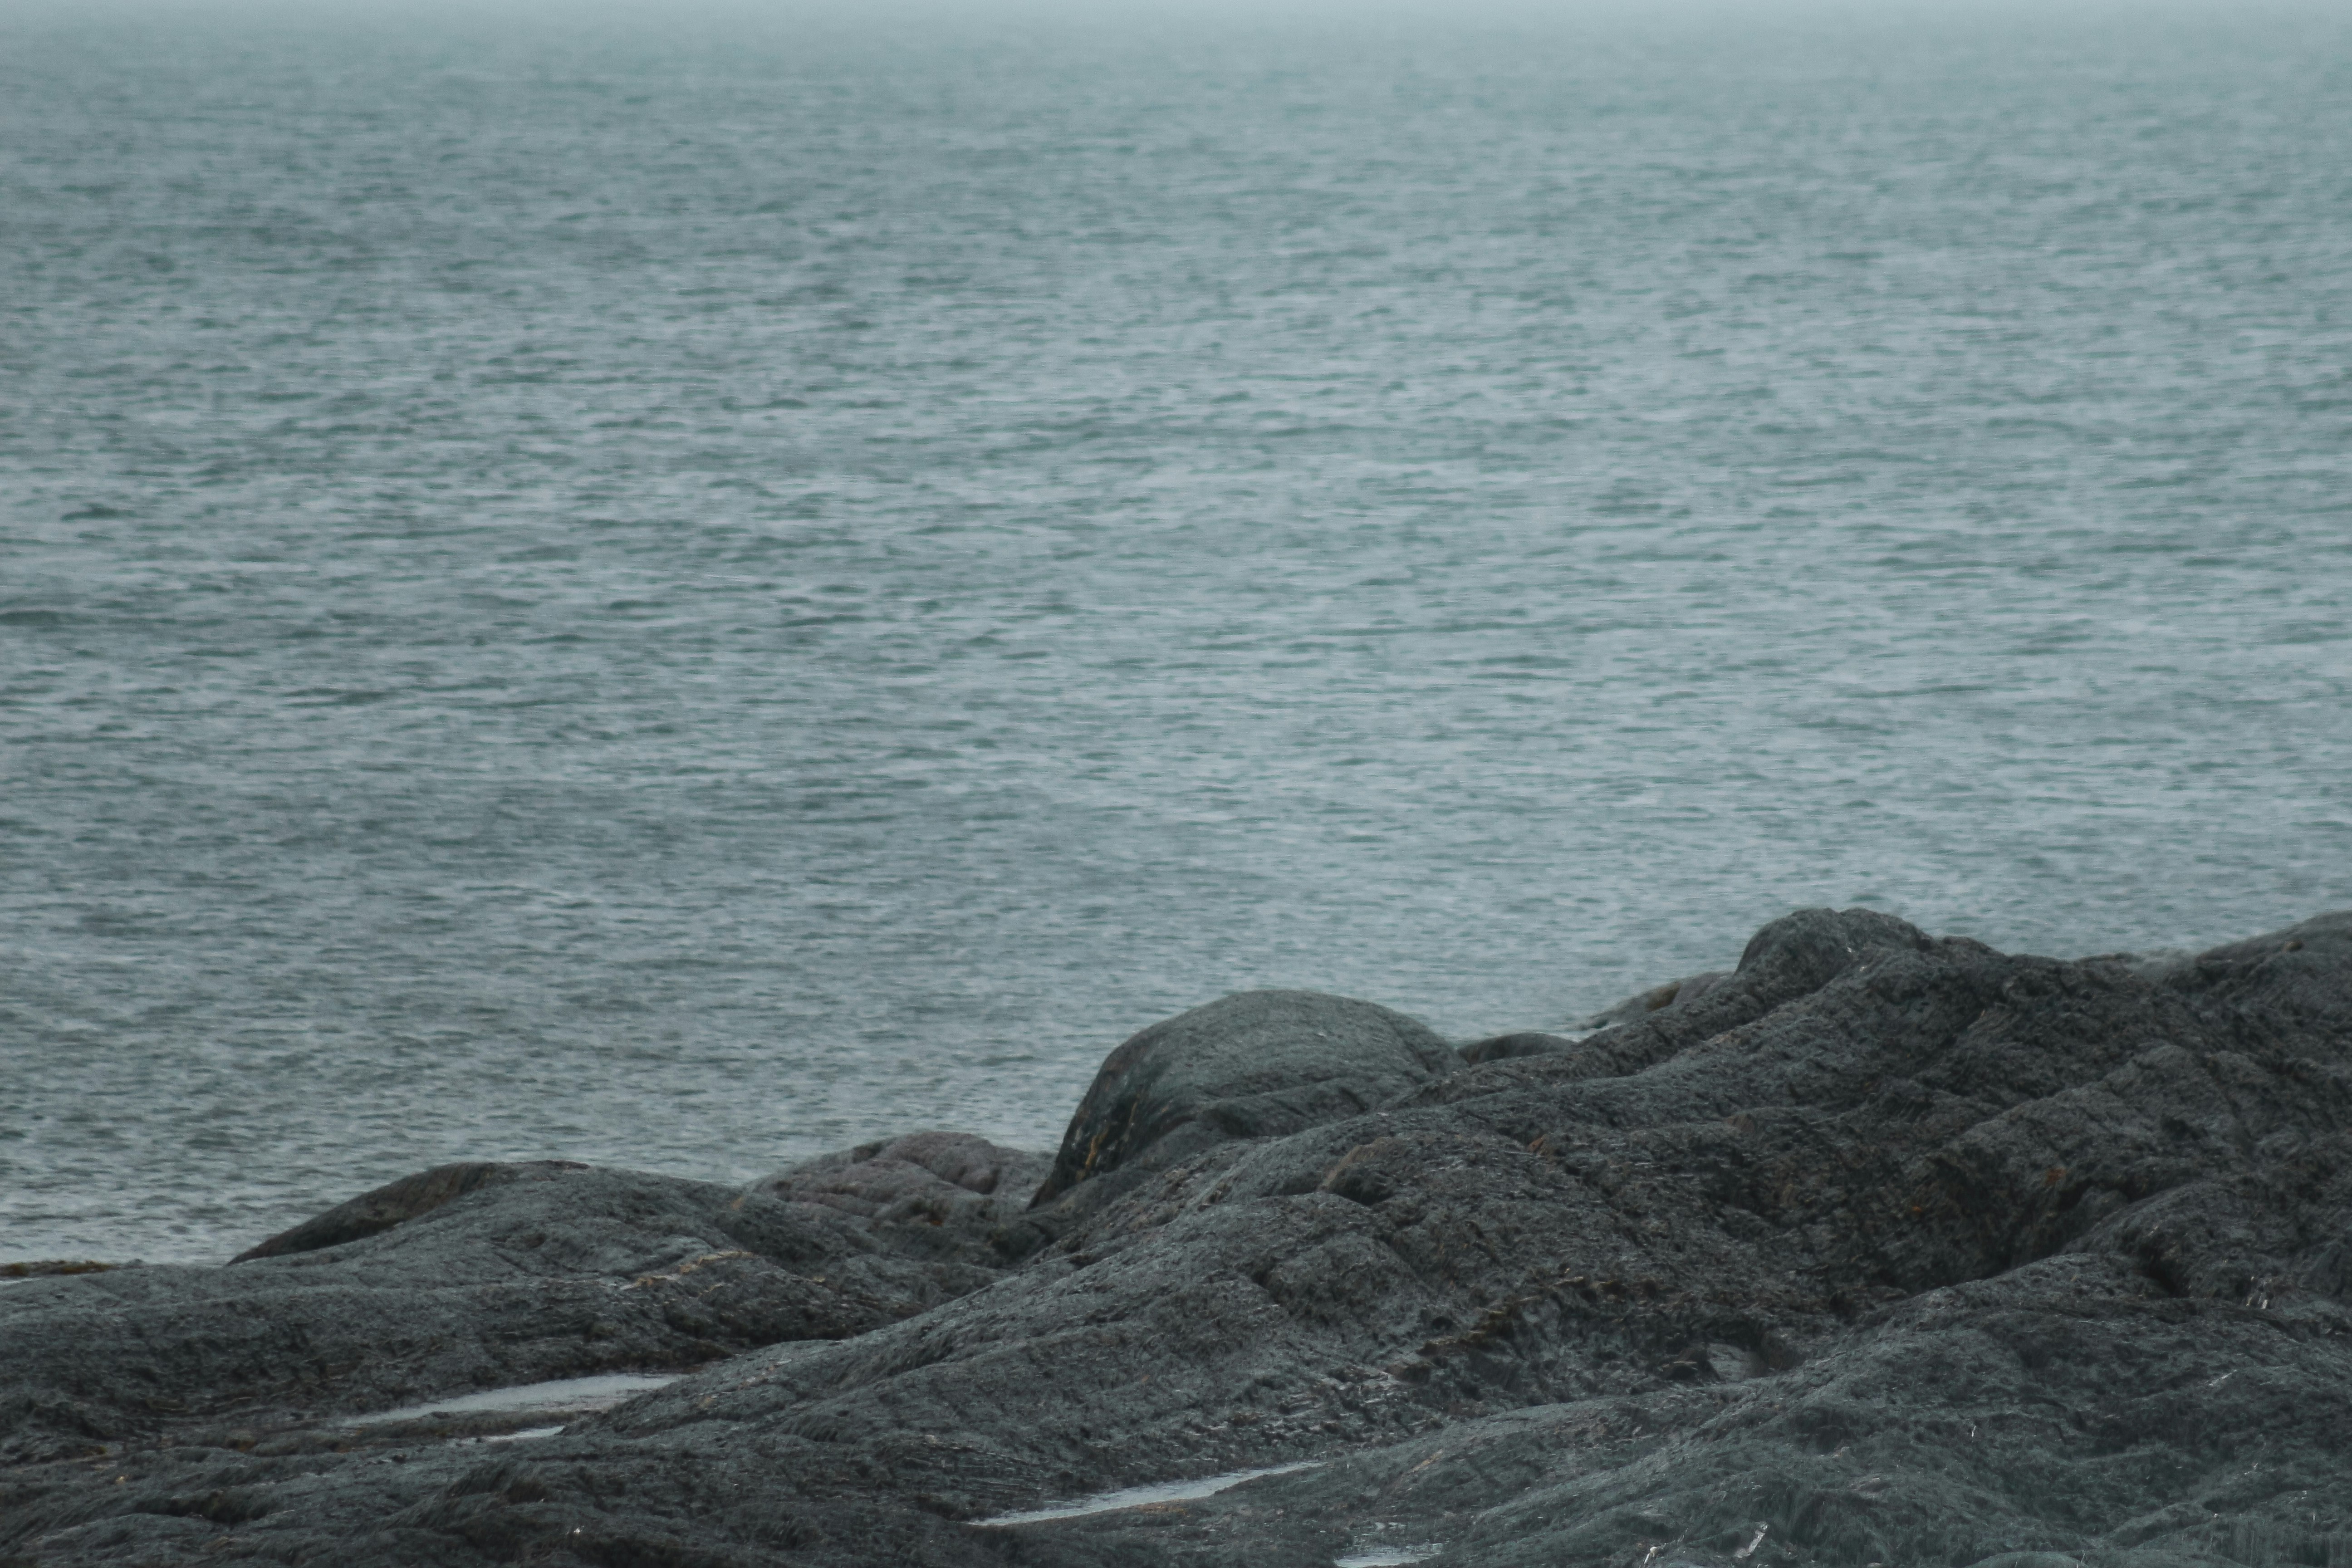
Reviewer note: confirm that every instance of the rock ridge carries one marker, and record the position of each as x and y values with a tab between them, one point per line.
1876	1248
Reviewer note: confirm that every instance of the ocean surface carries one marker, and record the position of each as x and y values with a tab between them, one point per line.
692	591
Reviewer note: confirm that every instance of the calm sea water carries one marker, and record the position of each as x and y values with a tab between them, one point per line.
688	593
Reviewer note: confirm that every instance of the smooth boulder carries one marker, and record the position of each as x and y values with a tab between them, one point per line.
1258	1064
395	1202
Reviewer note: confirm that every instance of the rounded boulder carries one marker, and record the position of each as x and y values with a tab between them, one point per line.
1255	1065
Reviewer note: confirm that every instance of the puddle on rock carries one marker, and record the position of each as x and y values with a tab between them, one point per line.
525	1436
1140	1497
568	1395
1389	1556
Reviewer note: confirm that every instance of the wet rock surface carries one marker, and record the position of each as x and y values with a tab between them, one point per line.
1880	1248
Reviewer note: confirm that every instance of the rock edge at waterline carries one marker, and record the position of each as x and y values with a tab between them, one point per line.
1877	1249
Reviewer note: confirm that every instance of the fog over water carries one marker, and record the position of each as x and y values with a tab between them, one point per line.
684	593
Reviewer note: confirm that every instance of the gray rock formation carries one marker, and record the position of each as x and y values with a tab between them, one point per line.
945	1195
1521	1043
395	1202
1658	999
494	1275
1883	1249
1255	1065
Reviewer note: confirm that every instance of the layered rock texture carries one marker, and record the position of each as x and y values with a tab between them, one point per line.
1880	1248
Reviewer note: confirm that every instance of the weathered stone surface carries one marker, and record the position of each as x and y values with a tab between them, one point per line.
1253	1065
1885	1249
393	1203
1690	988
1523	1043
928	1195
538	1272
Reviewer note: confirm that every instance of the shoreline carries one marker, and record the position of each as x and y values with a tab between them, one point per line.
1879	1246
227	1242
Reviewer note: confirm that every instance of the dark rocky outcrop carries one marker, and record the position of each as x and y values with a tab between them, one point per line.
393	1203
1656	999
39	1268
1523	1043
521	1274
1255	1065
928	1195
1883	1250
